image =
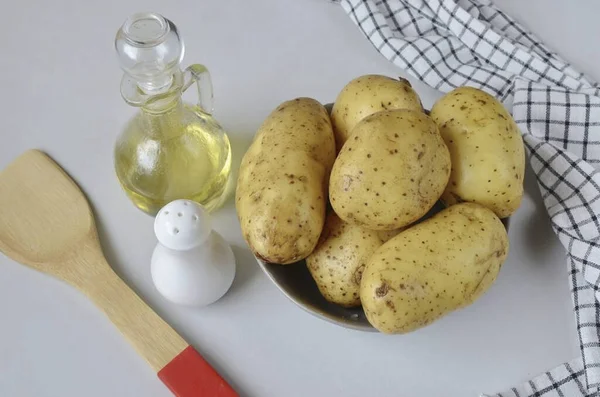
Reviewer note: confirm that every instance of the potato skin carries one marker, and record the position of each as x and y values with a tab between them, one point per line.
339	259
366	95
442	264
488	157
282	184
391	172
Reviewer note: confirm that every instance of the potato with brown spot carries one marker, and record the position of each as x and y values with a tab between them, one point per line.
439	265
391	172
281	192
337	262
366	95
488	157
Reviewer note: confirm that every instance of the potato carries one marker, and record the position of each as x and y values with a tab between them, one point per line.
366	95
340	257
337	263
282	185
488	159
391	172
444	263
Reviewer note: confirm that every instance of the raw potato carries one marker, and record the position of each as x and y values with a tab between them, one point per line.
488	159
282	185
366	95
433	268
337	263
391	172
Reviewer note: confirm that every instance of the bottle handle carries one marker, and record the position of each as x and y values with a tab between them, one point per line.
199	74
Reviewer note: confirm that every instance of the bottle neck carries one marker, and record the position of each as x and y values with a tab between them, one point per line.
165	105
164	120
161	109
154	94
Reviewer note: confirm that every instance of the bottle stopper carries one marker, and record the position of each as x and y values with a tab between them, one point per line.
192	264
150	49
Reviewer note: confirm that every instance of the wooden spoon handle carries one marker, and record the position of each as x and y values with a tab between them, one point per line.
178	365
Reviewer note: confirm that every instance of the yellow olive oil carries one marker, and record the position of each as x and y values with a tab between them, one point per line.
163	157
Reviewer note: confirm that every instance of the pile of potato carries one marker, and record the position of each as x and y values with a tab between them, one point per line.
349	191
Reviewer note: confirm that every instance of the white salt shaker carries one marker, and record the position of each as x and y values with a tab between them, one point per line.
192	264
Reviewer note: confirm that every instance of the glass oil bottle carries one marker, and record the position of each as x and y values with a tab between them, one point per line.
170	149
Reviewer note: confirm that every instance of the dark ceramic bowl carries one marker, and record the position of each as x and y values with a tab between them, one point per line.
297	284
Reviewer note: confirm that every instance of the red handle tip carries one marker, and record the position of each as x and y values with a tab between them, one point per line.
189	375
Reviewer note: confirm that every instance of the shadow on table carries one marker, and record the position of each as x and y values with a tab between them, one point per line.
240	142
246	269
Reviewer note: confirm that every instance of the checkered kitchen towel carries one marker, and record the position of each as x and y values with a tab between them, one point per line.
448	43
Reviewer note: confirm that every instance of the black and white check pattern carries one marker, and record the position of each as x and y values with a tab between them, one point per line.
448	43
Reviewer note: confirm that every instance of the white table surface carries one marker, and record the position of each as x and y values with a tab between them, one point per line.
60	93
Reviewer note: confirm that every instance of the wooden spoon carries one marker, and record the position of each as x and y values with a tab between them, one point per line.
47	224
